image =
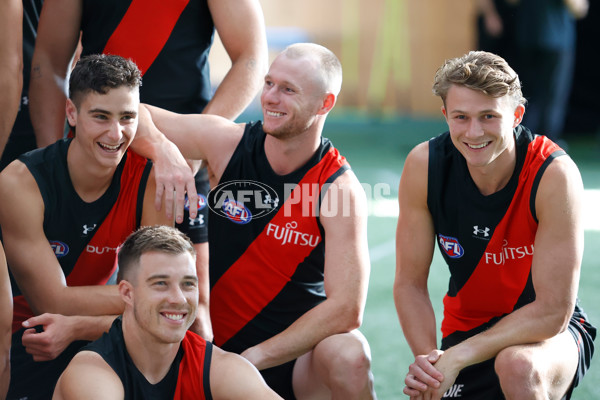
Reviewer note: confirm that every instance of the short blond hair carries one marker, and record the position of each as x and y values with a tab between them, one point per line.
482	71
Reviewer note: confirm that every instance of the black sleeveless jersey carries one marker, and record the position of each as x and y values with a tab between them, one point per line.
84	236
111	346
267	248
487	241
169	40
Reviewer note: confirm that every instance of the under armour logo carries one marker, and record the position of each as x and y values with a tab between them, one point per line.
86	229
268	200
485	232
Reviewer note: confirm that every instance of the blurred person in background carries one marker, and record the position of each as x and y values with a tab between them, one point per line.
545	32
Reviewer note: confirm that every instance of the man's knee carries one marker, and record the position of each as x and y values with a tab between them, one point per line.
519	375
348	361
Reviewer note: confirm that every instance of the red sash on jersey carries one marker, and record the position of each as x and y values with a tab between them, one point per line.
144	30
503	283
96	264
191	370
267	266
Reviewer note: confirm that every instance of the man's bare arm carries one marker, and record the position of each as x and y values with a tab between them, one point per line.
226	368
346	279
32	260
555	274
240	25
88	376
59	331
6	314
55	47
414	252
198	136
11	65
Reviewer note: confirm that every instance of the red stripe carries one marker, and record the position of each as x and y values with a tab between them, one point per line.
493	290
100	252
92	268
267	266
144	30
191	368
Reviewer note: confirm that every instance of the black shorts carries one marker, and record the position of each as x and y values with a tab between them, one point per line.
197	228
584	334
480	382
279	379
477	382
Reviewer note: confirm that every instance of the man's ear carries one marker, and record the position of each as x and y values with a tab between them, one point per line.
126	291
519	113
328	103
71	111
444	112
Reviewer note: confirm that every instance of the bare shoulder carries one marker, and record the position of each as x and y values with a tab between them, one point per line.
226	367
18	189
412	190
560	188
88	376
223	361
562	168
418	157
348	182
16	174
345	201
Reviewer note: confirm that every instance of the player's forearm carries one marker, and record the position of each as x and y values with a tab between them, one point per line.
81	300
324	320
11	65
151	136
5	362
91	328
202	325
238	88
532	323
148	139
417	318
4	376
11	82
47	97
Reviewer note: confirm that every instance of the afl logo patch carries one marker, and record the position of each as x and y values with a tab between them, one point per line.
451	247
60	249
201	202
236	212
241	201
